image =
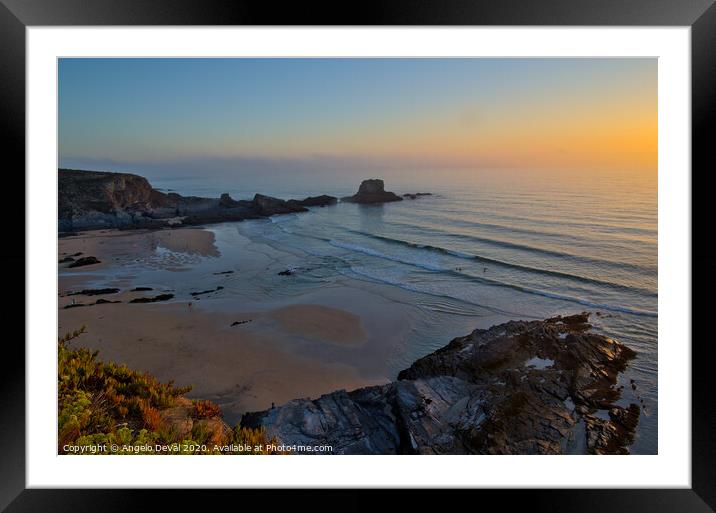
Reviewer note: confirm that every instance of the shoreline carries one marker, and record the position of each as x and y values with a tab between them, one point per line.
243	333
245	357
240	368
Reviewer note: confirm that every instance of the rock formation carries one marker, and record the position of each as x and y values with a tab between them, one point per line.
81	262
266	206
372	191
93	200
90	200
209	291
155	299
537	387
315	201
94	292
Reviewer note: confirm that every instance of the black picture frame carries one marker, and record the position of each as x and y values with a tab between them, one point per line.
700	15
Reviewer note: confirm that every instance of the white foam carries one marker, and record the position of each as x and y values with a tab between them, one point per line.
539	363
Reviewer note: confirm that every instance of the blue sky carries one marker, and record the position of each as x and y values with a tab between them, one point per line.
183	115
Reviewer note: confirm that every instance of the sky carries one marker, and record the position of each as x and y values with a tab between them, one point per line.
174	117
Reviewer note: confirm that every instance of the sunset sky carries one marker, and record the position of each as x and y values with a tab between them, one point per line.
166	116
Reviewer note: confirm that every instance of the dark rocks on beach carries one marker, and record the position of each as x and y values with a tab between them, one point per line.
141	289
98	302
372	191
69	258
239	323
160	297
209	291
94	292
523	387
89	260
416	195
224	272
105	302
287	272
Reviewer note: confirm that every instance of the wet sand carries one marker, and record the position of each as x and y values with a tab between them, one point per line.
280	354
110	245
322	323
240	368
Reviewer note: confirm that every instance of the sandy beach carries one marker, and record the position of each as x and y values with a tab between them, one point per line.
243	359
322	323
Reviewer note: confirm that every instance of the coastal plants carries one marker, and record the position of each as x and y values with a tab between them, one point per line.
107	405
204	409
255	438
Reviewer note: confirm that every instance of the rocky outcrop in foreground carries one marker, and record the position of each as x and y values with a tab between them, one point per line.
372	191
93	200
537	387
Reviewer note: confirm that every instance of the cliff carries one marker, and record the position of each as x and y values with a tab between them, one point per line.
93	200
538	387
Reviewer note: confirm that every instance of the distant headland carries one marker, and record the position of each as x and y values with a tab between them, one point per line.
91	200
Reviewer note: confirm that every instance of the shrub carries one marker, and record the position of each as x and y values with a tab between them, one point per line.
103	403
204	409
255	438
106	401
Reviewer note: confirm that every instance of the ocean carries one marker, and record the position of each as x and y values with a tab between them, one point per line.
479	250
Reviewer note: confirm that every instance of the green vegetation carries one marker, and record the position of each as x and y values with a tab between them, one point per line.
105	408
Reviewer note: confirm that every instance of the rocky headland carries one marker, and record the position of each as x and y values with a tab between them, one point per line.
91	200
523	387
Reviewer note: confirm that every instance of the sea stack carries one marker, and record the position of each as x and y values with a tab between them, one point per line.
372	191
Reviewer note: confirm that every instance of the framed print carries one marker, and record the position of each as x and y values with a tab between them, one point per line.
442	247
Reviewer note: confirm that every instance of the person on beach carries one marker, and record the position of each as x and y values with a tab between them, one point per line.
188	306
